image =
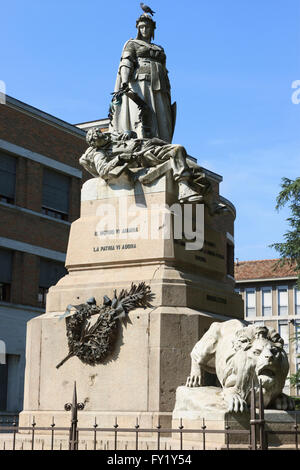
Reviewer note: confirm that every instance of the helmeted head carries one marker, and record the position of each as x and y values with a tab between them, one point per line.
95	138
146	27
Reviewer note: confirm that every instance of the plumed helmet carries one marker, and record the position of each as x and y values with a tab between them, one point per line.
144	18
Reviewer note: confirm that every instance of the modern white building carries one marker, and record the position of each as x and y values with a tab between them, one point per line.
271	298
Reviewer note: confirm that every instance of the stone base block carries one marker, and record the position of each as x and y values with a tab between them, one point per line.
203	406
136	380
277	421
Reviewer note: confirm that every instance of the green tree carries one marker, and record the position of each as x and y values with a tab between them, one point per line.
289	250
295	378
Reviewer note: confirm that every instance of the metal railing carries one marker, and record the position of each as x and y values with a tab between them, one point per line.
257	435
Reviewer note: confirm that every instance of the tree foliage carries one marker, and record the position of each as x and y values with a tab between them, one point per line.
289	249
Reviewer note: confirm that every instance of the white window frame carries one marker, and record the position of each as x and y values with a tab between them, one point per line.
297	338
279	288
266	289
286	345
297	367
295	290
250	290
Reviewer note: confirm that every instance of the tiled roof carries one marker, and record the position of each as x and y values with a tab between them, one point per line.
261	269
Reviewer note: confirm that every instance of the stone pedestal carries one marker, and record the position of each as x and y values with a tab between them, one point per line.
200	406
151	357
204	406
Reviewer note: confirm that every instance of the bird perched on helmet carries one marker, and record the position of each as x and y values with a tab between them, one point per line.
147	9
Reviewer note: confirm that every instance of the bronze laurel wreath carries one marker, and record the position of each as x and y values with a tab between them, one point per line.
92	343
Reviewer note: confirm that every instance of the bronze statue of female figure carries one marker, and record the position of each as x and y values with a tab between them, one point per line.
143	70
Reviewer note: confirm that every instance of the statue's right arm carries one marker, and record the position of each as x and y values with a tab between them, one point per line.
128	62
125	73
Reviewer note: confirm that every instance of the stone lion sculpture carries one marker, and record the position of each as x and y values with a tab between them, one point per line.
241	354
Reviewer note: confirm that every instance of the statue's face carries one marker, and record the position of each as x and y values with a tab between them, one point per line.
145	30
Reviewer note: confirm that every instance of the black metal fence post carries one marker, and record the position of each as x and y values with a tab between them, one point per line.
137	434
52	433
227	436
253	419
203	427
15	431
95	433
158	427
32	433
181	427
296	427
261	422
116	433
74	407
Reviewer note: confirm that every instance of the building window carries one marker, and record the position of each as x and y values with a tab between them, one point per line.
42	295
50	273
283	330
298	368
266	301
56	190
250	294
3	386
10	384
283	300
297	301
5	274
297	336
7	178
230	259
4	292
237	290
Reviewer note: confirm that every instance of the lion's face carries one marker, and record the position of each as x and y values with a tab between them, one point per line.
271	365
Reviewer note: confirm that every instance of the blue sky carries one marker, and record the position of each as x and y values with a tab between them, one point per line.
231	65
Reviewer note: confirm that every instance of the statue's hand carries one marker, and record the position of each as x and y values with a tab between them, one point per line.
125	157
127	135
124	86
156	141
193	381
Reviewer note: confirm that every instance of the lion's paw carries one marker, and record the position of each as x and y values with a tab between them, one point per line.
193	381
235	403
284	402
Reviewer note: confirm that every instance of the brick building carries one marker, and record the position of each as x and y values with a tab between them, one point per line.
271	298
40	181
